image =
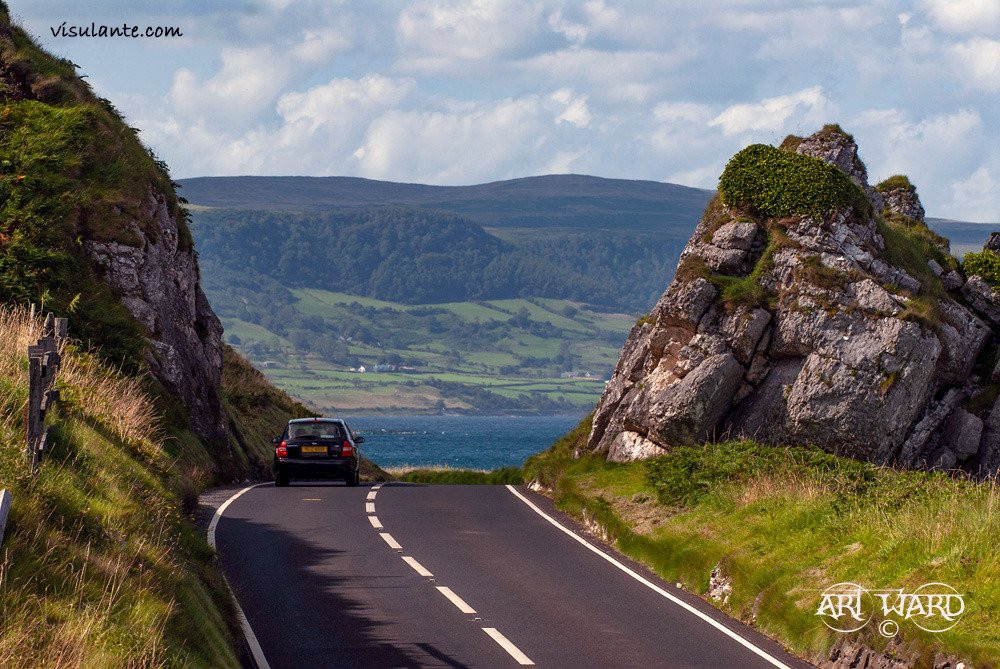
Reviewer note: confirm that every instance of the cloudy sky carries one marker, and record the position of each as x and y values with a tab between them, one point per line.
447	92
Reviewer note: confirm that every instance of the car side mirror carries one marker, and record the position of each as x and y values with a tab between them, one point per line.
276	441
358	439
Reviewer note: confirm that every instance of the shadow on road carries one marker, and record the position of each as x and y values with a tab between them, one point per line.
299	598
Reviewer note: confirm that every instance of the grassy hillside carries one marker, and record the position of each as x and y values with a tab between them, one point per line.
490	356
99	566
783	524
70	169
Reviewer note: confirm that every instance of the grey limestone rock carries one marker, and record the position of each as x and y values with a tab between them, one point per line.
159	283
834	353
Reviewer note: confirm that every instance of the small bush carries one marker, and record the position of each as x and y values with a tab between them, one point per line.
986	264
767	181
895	182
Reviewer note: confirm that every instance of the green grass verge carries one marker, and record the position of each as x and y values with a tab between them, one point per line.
786	523
448	476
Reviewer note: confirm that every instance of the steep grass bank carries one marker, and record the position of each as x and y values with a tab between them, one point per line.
98	566
784	524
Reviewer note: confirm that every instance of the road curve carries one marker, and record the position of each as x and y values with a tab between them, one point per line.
460	576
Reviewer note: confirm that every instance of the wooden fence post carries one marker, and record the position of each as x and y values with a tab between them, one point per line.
33	419
5	501
43	368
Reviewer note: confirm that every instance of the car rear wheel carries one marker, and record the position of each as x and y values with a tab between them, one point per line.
354	479
280	480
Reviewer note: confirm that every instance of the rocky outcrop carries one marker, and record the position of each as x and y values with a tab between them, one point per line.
849	653
800	329
159	283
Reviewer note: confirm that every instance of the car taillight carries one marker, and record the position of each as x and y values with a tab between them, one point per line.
346	449
282	450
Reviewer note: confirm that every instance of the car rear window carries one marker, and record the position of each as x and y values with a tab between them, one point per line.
317	430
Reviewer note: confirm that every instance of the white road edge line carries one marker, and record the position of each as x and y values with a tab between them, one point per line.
255	649
455	599
417	567
371	494
369	507
505	643
393	544
376	486
376	523
652	586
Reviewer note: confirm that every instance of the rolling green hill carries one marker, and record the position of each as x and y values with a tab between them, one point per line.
516	355
432	275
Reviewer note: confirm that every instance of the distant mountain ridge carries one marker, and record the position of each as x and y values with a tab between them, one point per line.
555	200
564	200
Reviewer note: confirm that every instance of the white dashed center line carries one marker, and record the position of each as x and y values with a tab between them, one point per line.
505	643
393	544
459	603
417	567
455	599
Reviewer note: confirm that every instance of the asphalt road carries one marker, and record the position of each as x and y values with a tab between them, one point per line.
409	575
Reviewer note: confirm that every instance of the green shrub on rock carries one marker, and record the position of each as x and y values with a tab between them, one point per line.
985	264
767	181
896	181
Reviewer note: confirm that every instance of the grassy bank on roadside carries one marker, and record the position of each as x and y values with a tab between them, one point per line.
783	524
99	566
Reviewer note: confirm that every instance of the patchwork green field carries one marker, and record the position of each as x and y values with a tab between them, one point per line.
359	354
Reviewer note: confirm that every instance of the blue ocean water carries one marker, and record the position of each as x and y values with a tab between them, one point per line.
471	442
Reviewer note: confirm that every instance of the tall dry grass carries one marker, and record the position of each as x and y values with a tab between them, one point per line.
89	565
99	392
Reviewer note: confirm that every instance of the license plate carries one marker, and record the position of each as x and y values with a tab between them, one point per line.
314	449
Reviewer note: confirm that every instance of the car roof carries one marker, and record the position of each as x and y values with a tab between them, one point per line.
315	420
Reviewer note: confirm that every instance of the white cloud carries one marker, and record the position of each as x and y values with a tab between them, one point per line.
247	81
810	104
565	162
977	196
318	45
595	17
342	101
964	16
618	76
471	144
670	112
930	150
980	57
574	108
453	35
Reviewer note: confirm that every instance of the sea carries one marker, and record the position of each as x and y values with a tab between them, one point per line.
464	442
